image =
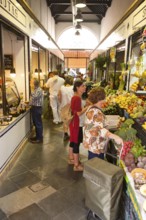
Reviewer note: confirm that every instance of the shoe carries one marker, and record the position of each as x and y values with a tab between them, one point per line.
32	139
78	168
36	141
56	122
70	161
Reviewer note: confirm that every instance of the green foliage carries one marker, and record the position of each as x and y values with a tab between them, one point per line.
100	62
123	66
109	91
128	123
90	67
110	110
138	149
126	132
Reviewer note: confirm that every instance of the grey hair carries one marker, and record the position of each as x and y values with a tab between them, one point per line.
36	82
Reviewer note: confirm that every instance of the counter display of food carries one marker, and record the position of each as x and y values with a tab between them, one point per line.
137	199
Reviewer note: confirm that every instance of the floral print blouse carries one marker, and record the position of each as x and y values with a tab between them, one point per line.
95	133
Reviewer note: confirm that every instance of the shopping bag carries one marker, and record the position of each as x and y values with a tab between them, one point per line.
66	114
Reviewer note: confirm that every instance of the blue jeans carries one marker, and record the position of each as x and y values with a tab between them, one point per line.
36	112
92	155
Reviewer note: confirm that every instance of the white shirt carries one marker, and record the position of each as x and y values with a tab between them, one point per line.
82	117
66	94
54	84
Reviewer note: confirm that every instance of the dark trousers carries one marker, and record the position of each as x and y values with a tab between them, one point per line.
76	146
36	112
92	155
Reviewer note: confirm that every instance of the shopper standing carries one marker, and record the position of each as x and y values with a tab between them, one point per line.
36	102
76	133
64	95
96	134
54	84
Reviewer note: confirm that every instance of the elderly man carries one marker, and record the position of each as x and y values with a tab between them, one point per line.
54	84
36	102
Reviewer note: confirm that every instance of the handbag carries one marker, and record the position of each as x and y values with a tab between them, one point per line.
66	114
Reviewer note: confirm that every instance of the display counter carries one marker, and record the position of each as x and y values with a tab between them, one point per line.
12	136
132	199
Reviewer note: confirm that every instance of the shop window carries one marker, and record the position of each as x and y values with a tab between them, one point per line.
137	62
13	77
39	63
117	66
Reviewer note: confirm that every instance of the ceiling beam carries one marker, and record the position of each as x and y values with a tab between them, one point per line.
83	13
85	20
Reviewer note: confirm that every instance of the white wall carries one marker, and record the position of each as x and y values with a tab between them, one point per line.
114	14
93	27
43	14
36	6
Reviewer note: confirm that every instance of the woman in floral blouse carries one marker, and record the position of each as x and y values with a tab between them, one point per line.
95	132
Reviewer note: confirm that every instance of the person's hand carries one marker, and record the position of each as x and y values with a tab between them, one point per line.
88	103
118	140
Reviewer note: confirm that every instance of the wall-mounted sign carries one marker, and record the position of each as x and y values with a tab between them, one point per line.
8	62
14	9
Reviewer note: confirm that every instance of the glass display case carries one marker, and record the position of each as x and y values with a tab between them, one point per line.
12	94
13	88
12	102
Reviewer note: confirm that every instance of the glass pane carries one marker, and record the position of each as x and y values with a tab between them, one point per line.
14	51
35	60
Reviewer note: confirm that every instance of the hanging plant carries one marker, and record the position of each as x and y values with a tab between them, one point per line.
100	62
90	67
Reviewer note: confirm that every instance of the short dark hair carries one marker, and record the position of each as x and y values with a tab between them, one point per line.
55	72
68	80
96	94
77	83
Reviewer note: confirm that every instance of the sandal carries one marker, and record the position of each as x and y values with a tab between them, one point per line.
70	161
78	168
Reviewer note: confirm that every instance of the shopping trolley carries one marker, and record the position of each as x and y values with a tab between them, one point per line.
103	185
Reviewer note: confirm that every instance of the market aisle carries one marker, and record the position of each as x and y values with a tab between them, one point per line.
42	185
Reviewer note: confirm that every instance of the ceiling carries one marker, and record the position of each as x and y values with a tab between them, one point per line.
65	10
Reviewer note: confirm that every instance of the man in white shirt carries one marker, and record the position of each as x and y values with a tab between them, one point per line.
54	84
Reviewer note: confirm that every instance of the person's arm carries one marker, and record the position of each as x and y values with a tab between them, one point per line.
79	109
82	111
116	138
47	84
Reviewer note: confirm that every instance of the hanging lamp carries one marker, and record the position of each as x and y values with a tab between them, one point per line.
78	16
12	71
80	3
78	26
77	33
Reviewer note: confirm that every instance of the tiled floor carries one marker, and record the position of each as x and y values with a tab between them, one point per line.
41	185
